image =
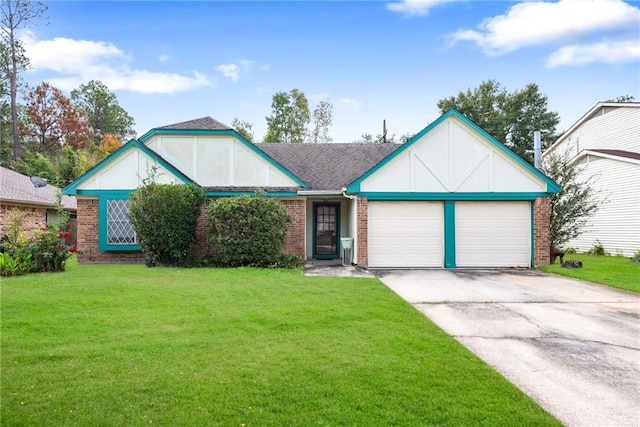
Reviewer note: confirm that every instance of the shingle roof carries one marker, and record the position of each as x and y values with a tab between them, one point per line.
203	123
620	153
328	166
18	188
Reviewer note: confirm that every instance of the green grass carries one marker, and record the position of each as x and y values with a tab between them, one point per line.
616	271
105	345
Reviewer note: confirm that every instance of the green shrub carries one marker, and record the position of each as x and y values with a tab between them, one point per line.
247	230
571	251
164	217
636	257
44	250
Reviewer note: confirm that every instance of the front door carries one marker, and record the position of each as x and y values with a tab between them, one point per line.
326	224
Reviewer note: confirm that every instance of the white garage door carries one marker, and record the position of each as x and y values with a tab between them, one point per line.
406	234
493	234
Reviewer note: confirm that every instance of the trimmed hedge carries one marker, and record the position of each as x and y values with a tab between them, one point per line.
246	230
164	217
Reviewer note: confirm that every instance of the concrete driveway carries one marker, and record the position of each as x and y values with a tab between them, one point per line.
572	346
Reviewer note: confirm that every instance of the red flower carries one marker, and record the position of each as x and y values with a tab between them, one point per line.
72	249
43	228
64	234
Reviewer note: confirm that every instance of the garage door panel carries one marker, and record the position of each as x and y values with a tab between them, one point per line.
493	234
405	234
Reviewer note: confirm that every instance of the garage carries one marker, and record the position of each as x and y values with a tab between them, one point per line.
406	234
493	234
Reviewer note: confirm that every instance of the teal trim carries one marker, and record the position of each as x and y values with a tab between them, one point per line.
72	189
227	132
452	196
315	225
552	187
533	235
102	222
449	234
109	194
250	193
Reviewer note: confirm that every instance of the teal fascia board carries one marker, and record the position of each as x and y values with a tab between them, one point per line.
72	189
250	193
449	234
552	187
226	132
452	196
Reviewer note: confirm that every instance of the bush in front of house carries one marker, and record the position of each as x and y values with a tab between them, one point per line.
44	250
164	217
246	230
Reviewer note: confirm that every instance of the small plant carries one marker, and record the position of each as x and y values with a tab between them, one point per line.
571	251
636	257
289	261
597	249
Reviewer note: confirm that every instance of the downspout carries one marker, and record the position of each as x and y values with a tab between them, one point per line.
354	255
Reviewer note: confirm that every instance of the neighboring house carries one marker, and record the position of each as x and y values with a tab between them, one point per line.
37	206
605	143
452	196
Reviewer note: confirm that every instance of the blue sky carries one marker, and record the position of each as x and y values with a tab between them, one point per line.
173	61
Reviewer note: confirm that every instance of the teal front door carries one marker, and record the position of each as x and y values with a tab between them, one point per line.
326	225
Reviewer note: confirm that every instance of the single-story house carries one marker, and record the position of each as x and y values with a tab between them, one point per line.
452	196
605	143
37	205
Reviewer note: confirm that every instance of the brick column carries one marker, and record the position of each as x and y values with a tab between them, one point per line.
363	232
294	239
200	246
542	231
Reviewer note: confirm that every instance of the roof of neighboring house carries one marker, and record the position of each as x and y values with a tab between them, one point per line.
595	110
620	153
203	123
18	188
328	166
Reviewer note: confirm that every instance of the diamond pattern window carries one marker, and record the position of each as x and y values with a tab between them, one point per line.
119	228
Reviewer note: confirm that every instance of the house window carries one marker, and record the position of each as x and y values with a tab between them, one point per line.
119	228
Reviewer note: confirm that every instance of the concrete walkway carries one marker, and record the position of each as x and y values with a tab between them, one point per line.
572	346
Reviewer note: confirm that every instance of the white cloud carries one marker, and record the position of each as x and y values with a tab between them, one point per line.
416	7
350	103
607	52
163	57
234	69
535	22
79	61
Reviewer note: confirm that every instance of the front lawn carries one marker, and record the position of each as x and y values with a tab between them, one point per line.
127	345
616	271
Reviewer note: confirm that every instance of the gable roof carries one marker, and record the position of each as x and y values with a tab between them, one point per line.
626	156
597	109
552	187
328	166
203	123
73	187
18	188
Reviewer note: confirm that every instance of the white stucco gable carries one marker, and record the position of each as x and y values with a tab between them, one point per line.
452	156
221	160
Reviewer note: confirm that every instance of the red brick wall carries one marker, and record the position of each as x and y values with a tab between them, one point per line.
363	232
294	240
541	230
88	236
33	217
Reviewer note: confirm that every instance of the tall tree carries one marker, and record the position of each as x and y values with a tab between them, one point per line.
104	113
244	128
321	118
511	118
576	201
14	15
289	119
55	121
